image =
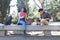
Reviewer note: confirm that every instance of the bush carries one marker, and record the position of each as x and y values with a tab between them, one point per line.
14	20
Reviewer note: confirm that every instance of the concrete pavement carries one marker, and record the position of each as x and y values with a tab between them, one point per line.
29	38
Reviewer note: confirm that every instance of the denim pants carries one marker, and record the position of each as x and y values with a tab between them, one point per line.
24	23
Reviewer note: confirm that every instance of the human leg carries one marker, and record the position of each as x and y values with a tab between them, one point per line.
23	25
44	22
27	22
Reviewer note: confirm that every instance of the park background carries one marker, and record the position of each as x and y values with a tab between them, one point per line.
13	7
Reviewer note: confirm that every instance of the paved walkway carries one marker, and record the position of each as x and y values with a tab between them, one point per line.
28	38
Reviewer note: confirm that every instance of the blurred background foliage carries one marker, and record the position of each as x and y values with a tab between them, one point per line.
50	6
4	9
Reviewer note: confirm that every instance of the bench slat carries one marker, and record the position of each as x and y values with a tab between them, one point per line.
32	28
48	27
13	27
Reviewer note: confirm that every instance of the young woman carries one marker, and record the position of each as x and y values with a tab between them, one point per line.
22	18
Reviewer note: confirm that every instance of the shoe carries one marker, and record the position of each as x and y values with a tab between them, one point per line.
25	32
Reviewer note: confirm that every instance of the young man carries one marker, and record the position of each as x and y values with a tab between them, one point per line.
45	17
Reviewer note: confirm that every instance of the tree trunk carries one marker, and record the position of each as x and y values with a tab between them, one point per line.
4	6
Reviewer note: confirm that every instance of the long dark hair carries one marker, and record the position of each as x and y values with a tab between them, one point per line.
24	9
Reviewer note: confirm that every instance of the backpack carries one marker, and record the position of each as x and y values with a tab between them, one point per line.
8	20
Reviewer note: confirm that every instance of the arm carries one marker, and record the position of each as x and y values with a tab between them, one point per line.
25	17
48	17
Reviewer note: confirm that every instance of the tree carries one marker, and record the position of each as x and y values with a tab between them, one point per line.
53	7
40	2
23	3
4	6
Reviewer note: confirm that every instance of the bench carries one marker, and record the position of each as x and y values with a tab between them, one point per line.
30	28
2	31
16	28
40	28
47	28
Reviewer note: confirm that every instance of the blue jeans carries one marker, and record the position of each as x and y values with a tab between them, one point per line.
23	23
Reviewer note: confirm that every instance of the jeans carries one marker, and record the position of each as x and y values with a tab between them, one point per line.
23	23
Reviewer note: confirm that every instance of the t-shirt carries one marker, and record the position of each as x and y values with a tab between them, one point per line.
23	14
45	15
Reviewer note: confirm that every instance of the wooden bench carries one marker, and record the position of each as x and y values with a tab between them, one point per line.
47	28
5	28
40	28
2	31
14	28
30	28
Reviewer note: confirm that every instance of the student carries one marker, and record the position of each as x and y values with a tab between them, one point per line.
45	17
22	18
